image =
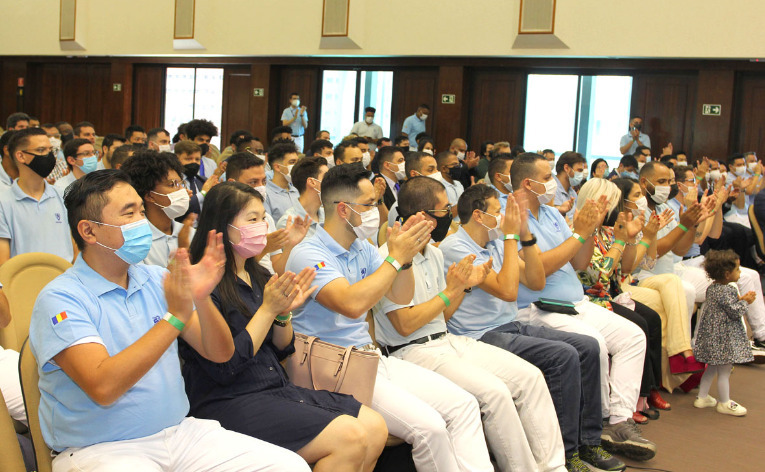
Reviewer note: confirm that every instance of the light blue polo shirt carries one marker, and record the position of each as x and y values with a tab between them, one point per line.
5	179
412	127
99	311
695	250
300	211
278	200
501	196
666	263
35	226
297	125
551	231
627	138
479	311
562	195
334	262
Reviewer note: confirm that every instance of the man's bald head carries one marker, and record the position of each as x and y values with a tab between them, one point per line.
458	145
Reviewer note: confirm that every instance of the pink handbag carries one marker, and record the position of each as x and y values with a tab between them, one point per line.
320	365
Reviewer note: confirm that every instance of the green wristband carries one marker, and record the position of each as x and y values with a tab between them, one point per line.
578	238
170	318
682	227
644	244
284	319
619	241
445	299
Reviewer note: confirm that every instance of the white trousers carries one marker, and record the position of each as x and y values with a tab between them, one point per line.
618	337
691	272
440	420
10	384
299	143
193	445
518	414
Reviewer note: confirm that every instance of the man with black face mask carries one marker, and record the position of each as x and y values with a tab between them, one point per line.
32	213
451	171
190	155
634	138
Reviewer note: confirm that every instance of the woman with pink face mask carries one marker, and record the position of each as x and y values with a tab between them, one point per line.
250	393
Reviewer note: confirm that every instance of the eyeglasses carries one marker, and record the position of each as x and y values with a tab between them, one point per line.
368	205
179	184
440	213
39	151
87	154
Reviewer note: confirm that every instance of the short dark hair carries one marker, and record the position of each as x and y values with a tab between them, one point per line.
569	158
386	153
154	132
48	125
236	134
733	157
442	157
628	160
680	169
667	160
400	139
71	148
85	198
305	168
370	109
147	168
524	167
625	187
111	138
484	146
318	133
418	194
133	129
547	151
719	263
498	165
339	151
20	138
413	161
319	144
425	106
242	143
421	136
4	140
277	152
195	128
640	149
122	153
241	161
360	140
14	118
422	142
340	183
280	130
77	129
380	141
293	94
517	150
474	198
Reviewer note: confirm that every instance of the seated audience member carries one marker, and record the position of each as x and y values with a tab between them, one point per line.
250	393
281	132
517	150
468	161
366	153
200	132
439	419
564	252
402	142
382	142
306	177
66	130
81	157
120	155
115	386
427	146
347	152
570	172
135	134
627	169
32	212
642	155
251	144
392	168
747	185
322	134
669	160
17	121
61	168
501	147
84	130
498	178
615	245
8	170
281	193
496	377
236	136
190	155
156	176
485	156
108	145
159	140
451	173
322	148
599	169
416	164
34	122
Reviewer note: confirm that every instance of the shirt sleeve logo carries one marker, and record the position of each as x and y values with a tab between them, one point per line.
59	318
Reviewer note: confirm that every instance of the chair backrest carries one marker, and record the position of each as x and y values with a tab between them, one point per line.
757	230
23	277
11	459
31	392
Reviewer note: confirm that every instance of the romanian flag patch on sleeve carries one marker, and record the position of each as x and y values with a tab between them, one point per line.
58	318
320	265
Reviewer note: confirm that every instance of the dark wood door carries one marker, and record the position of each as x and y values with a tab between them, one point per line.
306	82
149	96
497	106
749	131
411	88
237	94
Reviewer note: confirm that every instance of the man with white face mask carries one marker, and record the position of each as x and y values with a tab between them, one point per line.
414	125
367	153
368	128
281	194
296	118
439	419
157	179
570	169
159	140
393	170
417	164
499	178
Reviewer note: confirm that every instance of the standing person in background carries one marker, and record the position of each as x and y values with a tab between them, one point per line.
368	128
414	125
296	118
634	138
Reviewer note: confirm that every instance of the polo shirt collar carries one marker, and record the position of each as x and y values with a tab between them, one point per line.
463	235
270	185
501	195
157	234
560	185
334	247
97	284
49	191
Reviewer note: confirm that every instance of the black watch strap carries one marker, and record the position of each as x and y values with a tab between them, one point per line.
530	242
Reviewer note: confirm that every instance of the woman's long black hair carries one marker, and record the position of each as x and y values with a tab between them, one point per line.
222	203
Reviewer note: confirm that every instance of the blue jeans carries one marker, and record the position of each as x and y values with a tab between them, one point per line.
557	354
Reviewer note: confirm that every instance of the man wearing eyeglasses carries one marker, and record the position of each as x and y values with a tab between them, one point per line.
81	158
32	213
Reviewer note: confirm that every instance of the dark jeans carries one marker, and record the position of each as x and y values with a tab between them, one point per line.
571	366
650	322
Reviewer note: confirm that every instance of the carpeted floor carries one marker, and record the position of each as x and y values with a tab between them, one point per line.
693	440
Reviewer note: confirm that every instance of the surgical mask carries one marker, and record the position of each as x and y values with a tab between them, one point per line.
137	237
550	187
261	189
751	166
739	171
428	151
424	117
399	170
288	175
660	193
461	156
369	119
508	185
164	148
640	165
436	176
714	175
630	175
552	165
495	232
55	142
370	223
252	239
295	103
191	170
576	179
366	158
179	203
682	163
89	164
642	205
43	164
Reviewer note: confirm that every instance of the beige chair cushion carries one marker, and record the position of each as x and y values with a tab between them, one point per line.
11	459
31	392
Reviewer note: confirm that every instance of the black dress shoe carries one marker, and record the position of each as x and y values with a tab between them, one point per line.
651	413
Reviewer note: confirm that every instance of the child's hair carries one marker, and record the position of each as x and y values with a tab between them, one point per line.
719	263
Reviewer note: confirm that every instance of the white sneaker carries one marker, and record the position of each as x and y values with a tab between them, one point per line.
706	402
731	408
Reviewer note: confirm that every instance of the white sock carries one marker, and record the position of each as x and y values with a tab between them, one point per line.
617	419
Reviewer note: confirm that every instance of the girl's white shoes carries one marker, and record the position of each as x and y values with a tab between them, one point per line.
706	402
731	408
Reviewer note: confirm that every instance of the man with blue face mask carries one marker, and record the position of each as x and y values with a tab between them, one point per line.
570	170
82	159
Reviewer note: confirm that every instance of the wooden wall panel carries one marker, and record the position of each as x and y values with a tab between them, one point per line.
306	82
237	94
10	102
749	133
261	77
450	118
711	134
148	96
412	87
497	107
667	103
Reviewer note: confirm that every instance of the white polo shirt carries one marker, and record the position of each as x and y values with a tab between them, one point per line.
162	245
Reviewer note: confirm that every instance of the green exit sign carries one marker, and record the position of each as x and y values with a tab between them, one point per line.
449	98
711	110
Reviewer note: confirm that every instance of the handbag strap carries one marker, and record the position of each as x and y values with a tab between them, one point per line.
343	368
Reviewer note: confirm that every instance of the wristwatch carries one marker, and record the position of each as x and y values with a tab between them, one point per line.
530	242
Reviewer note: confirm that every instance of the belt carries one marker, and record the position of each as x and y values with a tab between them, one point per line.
690	257
297	135
388	350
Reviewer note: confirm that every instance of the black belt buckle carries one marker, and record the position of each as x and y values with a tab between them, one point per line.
388	350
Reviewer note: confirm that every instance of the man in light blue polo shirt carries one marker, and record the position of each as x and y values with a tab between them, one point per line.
81	158
562	252
296	118
634	138
439	419
280	193
32	213
498	178
104	336
570	362
570	170
414	125
306	177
